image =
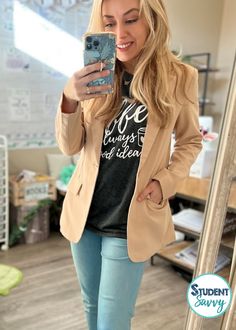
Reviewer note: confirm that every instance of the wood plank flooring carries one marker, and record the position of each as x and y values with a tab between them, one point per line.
49	297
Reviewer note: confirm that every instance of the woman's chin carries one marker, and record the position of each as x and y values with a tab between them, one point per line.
128	63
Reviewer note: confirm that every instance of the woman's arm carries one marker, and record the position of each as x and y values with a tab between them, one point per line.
69	125
188	142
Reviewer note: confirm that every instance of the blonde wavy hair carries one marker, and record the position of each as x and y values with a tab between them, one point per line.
155	67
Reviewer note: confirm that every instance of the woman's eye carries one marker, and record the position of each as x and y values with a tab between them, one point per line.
130	21
109	25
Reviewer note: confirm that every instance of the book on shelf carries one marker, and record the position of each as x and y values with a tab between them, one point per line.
192	219
189	256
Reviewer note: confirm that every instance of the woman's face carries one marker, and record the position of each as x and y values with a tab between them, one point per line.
122	17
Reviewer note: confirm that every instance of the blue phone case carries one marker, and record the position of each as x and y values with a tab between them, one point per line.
101	47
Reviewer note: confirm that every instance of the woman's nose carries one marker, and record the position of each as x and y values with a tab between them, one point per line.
121	31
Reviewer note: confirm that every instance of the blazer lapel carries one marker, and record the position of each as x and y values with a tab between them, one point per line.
153	127
151	132
97	132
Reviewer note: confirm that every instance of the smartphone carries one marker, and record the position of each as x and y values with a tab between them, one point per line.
101	47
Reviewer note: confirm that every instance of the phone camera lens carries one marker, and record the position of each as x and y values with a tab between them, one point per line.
96	43
89	46
89	39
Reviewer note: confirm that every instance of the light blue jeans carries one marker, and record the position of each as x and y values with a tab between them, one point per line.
109	280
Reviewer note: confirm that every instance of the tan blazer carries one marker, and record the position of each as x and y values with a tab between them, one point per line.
150	226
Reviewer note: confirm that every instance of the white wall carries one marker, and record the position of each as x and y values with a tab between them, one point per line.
226	52
207	26
195	25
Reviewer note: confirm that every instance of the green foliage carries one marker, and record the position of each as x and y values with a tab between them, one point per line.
19	229
66	173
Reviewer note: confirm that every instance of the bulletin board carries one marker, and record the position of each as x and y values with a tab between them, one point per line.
35	68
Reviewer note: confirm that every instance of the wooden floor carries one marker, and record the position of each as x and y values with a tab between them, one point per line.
49	297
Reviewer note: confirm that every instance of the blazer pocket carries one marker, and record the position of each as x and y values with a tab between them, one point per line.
156	206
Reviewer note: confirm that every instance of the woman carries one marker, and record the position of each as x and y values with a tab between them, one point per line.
116	212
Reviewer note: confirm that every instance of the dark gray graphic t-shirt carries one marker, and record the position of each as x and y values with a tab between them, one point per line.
120	154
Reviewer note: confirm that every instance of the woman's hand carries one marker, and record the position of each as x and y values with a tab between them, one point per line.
152	191
78	89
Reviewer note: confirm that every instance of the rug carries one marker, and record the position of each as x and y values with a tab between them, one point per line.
9	278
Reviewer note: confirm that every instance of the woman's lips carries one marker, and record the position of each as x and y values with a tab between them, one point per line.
124	46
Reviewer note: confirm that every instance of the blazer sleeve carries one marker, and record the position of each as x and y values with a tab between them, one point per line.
69	128
188	142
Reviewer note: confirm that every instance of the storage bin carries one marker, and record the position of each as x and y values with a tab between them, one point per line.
204	164
29	193
38	228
